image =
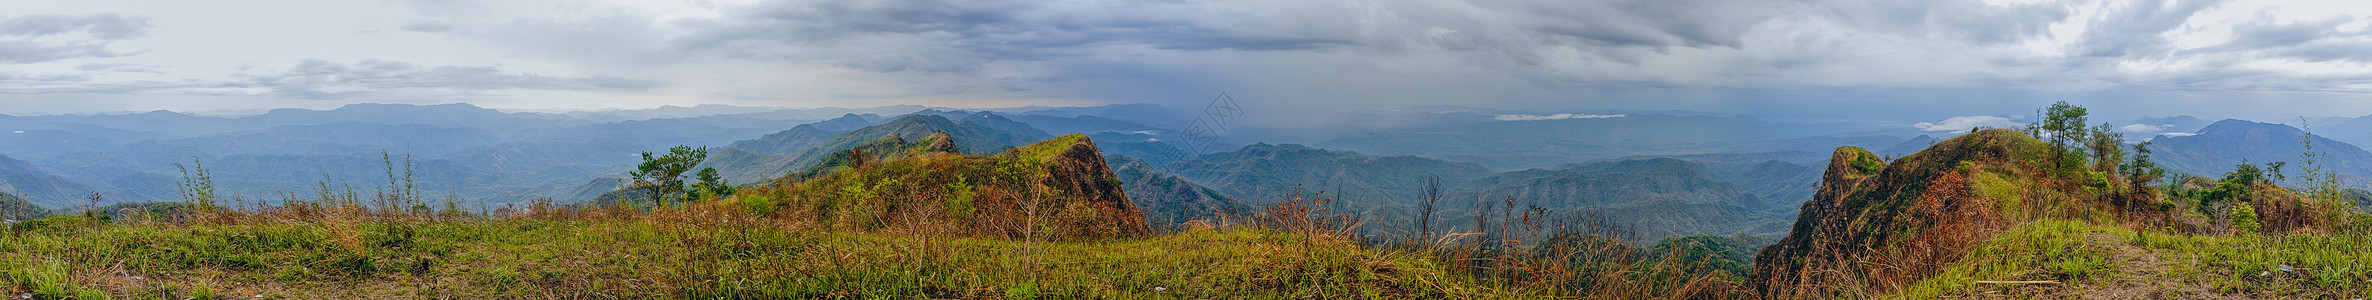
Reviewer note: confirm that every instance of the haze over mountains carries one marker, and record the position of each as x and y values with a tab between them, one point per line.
1668	173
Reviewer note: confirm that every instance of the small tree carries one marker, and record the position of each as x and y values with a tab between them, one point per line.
2322	185
2107	147
710	185
2141	170
661	177
2065	125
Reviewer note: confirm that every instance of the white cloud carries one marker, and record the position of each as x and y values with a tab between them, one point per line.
2178	134
2145	128
1555	117
1961	124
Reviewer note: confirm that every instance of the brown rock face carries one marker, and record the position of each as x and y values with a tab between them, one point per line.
1877	226
1089	189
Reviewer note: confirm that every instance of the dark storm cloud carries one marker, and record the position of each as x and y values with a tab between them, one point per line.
28	38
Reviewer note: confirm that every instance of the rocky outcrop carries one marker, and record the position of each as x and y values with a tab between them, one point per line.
1087	190
1874	225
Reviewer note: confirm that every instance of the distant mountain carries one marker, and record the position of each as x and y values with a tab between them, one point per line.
787	141
1262	173
1085	124
522	156
116	128
981	135
977	134
1539	140
1907	147
339	138
848	122
2356	131
652	133
38	185
668	112
415	137
1168	199
1140	113
2220	146
13	208
1783	178
886	149
1660	197
449	115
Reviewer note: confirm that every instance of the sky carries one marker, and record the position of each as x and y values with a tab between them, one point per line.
1924	61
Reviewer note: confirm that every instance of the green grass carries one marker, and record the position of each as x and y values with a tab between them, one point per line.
2325	265
2043	250
660	257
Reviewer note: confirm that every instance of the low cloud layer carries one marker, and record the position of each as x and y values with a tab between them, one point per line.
1962	124
1554	117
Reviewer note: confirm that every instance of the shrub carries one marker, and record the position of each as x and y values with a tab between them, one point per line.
58	223
759	204
2244	219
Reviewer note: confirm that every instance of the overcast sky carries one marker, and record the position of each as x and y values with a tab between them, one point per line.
1904	60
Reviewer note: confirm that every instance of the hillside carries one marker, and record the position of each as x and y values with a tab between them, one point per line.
1262	173
1986	206
979	134
1660	197
1062	182
38	185
1168	199
14	209
2218	147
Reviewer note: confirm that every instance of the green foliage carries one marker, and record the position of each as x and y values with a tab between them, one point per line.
662	175
1711	252
2108	148
48	280
759	204
2244	219
2141	170
487	259
14	208
960	196
2064	125
711	186
1867	163
56	224
197	185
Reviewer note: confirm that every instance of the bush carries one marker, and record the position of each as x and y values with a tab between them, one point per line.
2244	219
58	223
759	204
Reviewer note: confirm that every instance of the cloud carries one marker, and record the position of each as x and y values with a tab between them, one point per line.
321	79
2144	128
2178	134
44	38
1962	124
98	26
1521	117
426	26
